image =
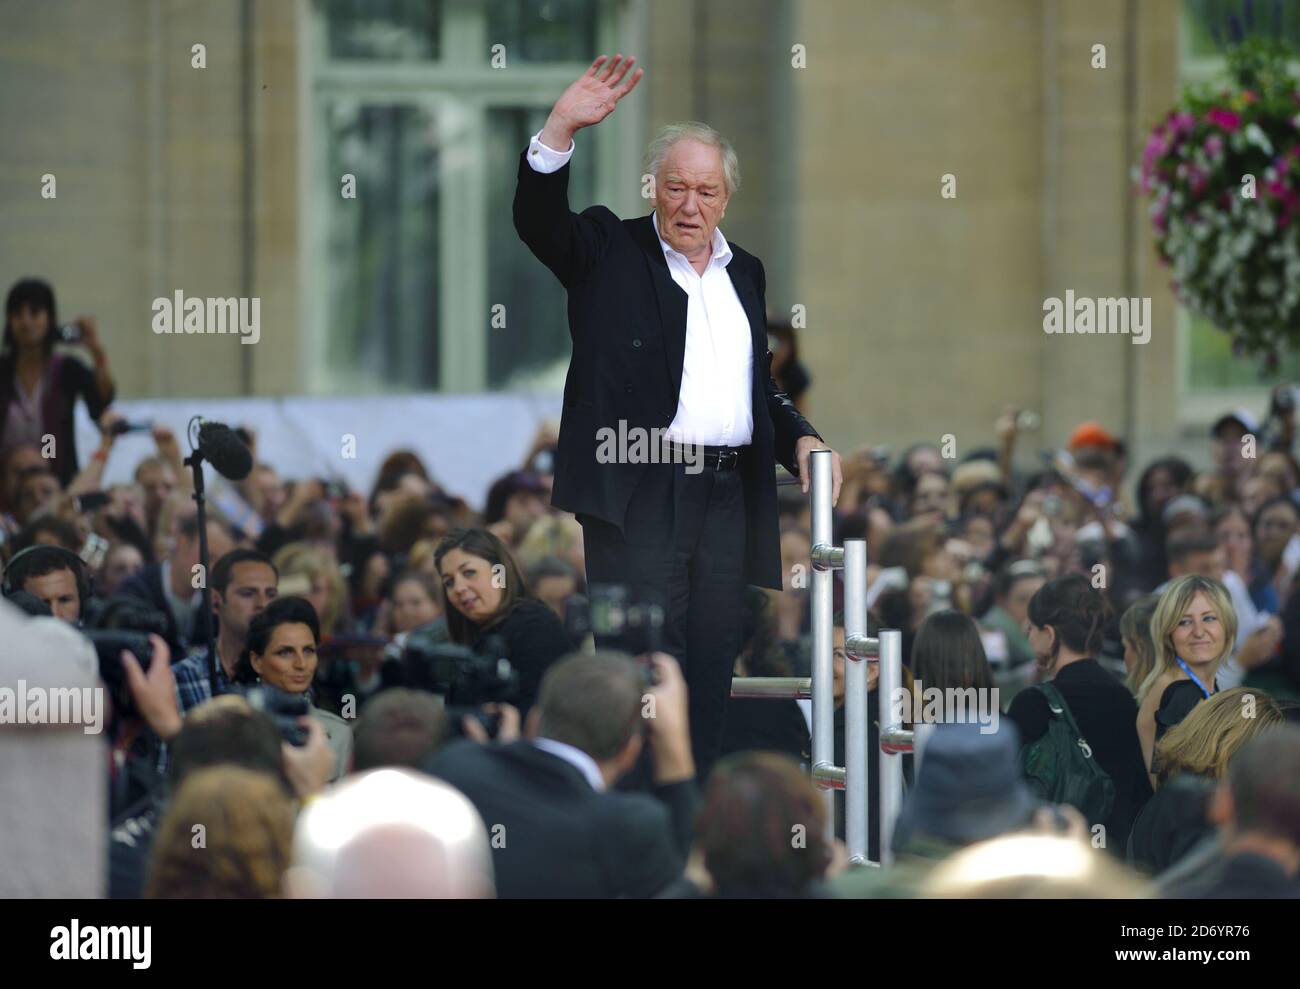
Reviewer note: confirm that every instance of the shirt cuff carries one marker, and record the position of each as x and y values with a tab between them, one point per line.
546	160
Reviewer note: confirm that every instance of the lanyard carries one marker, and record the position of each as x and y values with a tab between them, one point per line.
1195	679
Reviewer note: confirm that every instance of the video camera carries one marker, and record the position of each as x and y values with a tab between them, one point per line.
121	623
609	612
280	706
463	678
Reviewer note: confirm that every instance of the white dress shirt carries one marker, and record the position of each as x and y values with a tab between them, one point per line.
575	757
714	406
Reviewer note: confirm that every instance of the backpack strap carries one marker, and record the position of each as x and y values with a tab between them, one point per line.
1056	704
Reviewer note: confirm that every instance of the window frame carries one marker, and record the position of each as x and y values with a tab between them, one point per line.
459	91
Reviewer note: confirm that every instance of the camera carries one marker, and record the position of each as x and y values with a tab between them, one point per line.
463	678
68	333
280	706
619	622
121	623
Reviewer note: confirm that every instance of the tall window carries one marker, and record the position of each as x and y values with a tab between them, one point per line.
418	112
1209	366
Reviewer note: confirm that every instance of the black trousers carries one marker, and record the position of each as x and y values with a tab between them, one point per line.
683	545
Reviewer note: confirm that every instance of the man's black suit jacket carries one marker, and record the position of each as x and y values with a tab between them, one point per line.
627	322
561	838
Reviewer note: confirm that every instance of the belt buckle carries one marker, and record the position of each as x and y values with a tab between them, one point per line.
728	459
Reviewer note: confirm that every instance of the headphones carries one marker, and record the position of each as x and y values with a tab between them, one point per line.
14	578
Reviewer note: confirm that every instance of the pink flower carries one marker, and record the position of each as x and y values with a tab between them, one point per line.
1213	146
1225	119
1249	97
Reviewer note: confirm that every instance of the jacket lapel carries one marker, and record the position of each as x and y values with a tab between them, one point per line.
671	300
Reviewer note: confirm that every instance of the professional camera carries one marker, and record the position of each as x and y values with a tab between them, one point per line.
280	706
121	623
618	622
465	679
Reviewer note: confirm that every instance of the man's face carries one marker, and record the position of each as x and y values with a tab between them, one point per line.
1227	447
159	483
59	591
523	508
34	492
268	492
690	196
1203	564
252	587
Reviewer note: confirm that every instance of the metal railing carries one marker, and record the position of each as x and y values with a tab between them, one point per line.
887	650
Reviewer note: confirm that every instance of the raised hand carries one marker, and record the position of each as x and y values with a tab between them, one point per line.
590	99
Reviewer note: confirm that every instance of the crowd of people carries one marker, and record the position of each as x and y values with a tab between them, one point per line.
395	694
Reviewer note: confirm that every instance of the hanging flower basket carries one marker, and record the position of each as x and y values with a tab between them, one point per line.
1222	175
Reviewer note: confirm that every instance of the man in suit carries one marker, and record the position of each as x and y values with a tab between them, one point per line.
557	830
672	425
168	586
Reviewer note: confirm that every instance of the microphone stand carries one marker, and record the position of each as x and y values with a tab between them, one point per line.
195	462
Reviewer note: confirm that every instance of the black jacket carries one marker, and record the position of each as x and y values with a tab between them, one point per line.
1106	715
558	837
532	637
72	380
1243	876
627	322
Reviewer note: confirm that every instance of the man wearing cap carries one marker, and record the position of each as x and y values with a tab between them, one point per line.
669	328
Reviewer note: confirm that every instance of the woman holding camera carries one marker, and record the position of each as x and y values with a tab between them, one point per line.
281	651
39	388
490	610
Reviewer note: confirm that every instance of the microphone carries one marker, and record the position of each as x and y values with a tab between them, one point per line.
223	449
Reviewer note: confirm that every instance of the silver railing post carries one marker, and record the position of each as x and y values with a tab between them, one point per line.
856	794
825	558
894	739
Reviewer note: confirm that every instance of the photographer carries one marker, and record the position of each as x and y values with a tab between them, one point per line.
568	833
52	574
281	652
224	732
39	388
488	607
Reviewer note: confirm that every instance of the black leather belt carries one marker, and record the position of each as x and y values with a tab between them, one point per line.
714	457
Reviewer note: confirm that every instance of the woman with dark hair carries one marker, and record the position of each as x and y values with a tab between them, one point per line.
1161	482
489	608
39	388
1066	621
755	806
282	651
1272	528
948	652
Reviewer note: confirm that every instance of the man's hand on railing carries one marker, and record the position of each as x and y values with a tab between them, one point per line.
802	448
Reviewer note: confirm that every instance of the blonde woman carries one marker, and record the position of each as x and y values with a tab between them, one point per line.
1194	630
1191	758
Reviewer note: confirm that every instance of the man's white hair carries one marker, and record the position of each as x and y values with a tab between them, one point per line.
693	130
390	834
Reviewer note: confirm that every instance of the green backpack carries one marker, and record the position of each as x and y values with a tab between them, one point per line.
1059	766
